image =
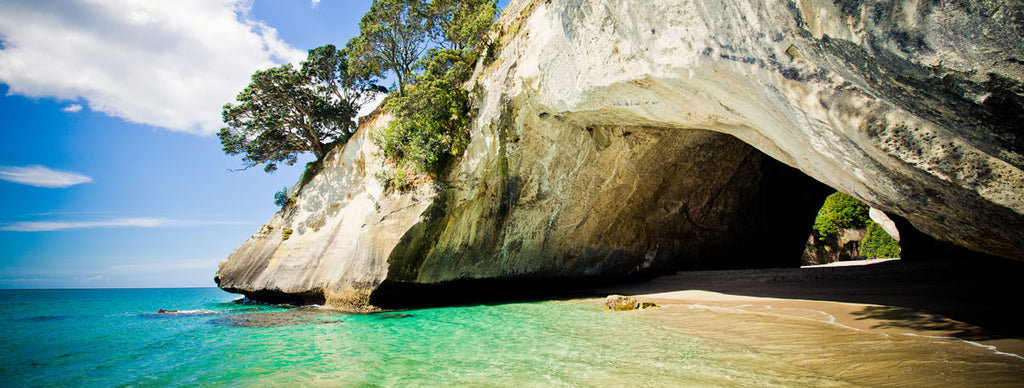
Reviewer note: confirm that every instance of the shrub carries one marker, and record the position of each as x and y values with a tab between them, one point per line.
397	179
286	233
312	168
281	198
840	211
878	244
431	124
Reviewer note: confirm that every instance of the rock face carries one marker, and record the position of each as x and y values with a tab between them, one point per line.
621	138
343	227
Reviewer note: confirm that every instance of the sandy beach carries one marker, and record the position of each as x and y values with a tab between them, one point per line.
949	323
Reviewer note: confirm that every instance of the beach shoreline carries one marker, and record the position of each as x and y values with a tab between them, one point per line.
951	313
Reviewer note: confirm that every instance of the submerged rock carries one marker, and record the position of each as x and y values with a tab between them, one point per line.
620	139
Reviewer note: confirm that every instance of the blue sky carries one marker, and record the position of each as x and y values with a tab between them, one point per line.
110	175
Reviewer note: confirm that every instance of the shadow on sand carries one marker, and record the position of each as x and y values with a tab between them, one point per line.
978	300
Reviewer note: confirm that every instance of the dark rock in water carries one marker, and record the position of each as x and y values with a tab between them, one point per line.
392	316
44	318
167	313
300	316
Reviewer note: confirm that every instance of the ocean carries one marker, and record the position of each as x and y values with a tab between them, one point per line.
116	337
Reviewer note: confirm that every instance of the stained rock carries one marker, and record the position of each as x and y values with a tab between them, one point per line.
601	150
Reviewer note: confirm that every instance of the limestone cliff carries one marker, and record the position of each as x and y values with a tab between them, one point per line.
333	242
620	138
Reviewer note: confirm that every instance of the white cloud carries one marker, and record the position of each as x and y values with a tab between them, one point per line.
315	3
40	176
73	108
50	226
170	64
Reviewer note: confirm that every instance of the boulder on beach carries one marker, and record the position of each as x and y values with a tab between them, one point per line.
625	303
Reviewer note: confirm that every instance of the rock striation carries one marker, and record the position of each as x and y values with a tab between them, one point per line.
616	139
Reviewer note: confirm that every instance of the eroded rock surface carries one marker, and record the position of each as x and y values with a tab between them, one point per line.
623	138
915	108
343	227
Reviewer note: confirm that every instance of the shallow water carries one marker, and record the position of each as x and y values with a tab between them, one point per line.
115	338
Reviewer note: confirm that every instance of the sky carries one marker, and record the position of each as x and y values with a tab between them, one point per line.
111	175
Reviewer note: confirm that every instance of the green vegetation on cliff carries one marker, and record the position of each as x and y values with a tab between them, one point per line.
286	111
429	46
840	211
432	111
877	244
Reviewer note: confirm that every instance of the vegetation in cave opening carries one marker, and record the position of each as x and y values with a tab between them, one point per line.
841	211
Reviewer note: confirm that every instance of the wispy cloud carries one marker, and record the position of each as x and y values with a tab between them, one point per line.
315	3
40	176
169	64
73	108
51	226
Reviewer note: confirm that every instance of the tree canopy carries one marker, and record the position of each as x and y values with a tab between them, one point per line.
461	24
840	211
429	45
432	115
286	111
393	35
878	244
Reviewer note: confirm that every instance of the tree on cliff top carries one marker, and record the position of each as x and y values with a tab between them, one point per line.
286	111
840	211
461	24
432	113
392	37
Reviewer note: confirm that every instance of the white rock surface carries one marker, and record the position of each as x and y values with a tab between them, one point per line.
598	150
343	226
911	107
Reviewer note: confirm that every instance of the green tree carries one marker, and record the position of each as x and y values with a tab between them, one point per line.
393	35
840	211
461	24
281	198
432	112
286	111
430	125
878	244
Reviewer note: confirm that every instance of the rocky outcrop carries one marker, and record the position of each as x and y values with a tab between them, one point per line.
625	303
846	247
331	245
914	108
620	138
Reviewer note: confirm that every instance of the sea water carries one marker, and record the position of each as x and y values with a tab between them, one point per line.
109	337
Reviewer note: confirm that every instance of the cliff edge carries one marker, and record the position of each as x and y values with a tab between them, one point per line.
620	139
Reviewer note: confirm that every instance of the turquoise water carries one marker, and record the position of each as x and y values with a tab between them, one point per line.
115	338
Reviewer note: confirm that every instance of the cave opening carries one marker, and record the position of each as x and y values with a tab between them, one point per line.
847	231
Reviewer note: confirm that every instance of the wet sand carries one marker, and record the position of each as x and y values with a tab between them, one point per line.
948	324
